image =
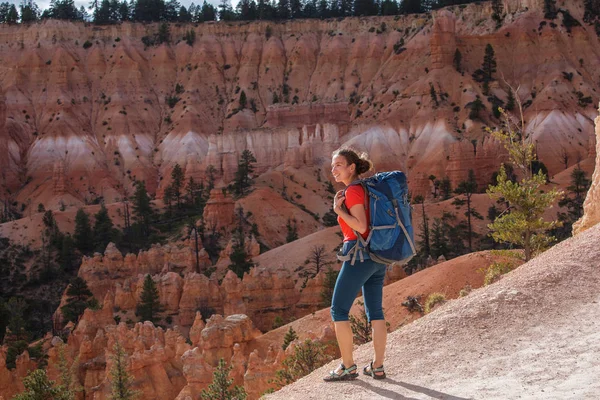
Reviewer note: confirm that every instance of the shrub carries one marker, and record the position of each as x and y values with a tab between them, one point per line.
495	271
433	300
87	44
308	356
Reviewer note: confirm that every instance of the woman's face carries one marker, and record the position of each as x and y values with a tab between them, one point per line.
341	171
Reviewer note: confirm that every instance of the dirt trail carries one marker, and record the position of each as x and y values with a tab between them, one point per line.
533	335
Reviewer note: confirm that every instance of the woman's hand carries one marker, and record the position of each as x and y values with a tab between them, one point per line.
338	201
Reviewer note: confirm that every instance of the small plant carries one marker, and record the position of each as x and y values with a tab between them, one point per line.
465	291
87	44
290	336
432	300
308	356
412	303
495	271
220	386
361	328
278	322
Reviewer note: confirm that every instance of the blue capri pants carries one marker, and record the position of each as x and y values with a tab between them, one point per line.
367	274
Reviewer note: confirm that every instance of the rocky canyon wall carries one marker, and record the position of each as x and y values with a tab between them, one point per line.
83	123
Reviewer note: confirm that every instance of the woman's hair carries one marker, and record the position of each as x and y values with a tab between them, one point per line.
363	164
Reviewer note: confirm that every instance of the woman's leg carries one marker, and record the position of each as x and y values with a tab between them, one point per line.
347	286
343	334
373	297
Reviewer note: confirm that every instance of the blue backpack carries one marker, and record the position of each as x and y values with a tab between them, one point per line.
391	238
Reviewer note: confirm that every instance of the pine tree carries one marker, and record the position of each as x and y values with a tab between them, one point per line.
39	387
149	306
510	101
67	257
220	389
433	95
29	11
104	233
79	297
68	372
524	225
327	292
289	337
458	60
142	208
177	181
243	100
240	263
498	10
489	63
242	179
445	188
573	201
468	188
120	379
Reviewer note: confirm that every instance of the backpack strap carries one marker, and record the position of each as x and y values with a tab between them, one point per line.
362	245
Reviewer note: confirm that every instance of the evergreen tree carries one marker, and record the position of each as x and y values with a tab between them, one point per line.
63	9
226	11
573	201
458	60
142	209
346	8
510	102
243	100
389	7
289	337
445	188
296	8
327	292
242	179
524	225
489	63
177	182
120	379
39	387
149	306
292	231
148	10
68	373
104	233
83	236
283	9
550	9
79	297
171	13
240	263
468	188
366	7
12	16
411	7
433	94
209	12
476	107
67	258
498	10
220	389
30	11
17	325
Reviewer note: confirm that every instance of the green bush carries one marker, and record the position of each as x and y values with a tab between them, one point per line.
433	300
87	44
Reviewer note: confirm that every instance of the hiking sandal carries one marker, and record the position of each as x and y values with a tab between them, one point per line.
347	374
372	372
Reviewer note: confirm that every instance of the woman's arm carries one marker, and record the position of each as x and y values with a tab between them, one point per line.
356	219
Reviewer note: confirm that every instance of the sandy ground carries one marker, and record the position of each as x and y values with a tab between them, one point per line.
535	334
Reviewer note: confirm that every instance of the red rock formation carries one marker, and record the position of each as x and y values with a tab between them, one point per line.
591	206
219	211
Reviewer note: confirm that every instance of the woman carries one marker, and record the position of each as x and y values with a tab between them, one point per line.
346	167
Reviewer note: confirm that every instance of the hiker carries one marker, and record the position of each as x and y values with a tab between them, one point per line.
353	215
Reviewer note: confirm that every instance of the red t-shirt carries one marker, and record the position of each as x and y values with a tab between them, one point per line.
355	194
